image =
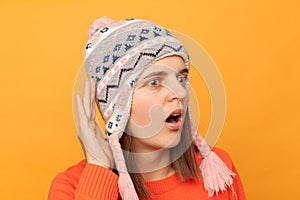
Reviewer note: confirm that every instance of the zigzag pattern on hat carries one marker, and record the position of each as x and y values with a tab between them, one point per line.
124	70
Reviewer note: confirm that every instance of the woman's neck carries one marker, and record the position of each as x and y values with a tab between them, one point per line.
154	165
158	174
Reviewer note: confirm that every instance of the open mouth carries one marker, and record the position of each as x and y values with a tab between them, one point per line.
173	118
173	121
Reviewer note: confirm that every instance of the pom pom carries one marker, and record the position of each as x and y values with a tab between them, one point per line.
99	23
126	187
216	175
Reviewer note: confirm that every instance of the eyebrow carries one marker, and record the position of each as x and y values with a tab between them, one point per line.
184	71
163	73
159	73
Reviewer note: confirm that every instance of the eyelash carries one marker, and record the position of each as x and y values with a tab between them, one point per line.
184	81
157	80
181	79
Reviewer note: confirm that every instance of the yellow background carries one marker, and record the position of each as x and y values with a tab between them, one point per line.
255	45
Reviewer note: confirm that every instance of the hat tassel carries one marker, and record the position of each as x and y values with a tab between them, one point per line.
216	175
126	187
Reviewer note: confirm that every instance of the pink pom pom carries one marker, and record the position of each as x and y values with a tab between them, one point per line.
99	23
217	177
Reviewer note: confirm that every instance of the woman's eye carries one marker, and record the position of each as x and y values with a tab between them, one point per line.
182	80
154	83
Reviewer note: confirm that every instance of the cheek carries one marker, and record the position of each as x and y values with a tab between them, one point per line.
142	105
140	111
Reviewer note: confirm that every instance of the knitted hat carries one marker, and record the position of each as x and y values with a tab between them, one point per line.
116	54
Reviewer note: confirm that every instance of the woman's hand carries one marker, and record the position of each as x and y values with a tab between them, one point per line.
97	151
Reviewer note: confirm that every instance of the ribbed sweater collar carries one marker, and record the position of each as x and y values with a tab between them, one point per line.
163	185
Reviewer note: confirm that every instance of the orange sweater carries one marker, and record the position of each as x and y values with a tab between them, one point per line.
91	182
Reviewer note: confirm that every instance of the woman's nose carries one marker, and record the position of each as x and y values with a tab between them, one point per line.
176	91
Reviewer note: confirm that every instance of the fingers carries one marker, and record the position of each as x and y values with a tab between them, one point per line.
80	110
86	98
93	94
86	107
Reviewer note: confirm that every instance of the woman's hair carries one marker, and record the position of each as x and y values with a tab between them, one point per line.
185	166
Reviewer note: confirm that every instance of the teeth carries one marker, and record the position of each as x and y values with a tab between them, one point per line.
173	118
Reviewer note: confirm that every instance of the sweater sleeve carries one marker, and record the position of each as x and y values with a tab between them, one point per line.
94	183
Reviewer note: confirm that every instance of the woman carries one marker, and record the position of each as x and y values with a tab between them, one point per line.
139	76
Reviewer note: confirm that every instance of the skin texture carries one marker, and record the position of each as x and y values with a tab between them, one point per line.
160	90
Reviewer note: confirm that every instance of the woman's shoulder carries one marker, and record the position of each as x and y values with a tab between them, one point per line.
76	168
72	173
84	180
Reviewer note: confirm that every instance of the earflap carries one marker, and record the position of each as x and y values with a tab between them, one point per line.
119	109
114	129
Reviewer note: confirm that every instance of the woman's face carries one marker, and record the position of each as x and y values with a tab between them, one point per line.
159	105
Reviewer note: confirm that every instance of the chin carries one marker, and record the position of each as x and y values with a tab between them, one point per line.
172	141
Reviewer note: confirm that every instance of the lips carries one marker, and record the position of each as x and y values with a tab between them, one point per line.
174	120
